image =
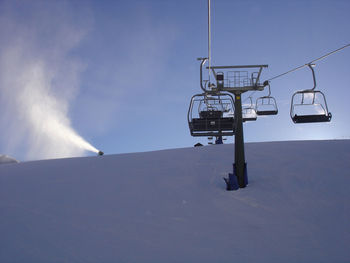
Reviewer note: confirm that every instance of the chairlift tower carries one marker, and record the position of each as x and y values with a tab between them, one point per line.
236	80
212	121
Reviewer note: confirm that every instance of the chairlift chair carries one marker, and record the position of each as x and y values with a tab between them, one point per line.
309	106
209	115
249	113
266	105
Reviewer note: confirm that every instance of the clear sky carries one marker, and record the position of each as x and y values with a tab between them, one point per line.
125	70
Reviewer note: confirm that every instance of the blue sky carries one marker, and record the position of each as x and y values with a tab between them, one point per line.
135	66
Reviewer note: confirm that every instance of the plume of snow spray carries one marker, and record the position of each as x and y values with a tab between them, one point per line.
38	80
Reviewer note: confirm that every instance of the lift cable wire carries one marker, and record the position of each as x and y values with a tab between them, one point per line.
305	65
209	41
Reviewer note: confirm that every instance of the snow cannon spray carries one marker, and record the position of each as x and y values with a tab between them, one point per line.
100	153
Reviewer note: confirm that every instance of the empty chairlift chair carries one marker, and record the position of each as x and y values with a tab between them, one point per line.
266	105
308	106
211	115
249	112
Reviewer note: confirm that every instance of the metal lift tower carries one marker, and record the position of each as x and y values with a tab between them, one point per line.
237	80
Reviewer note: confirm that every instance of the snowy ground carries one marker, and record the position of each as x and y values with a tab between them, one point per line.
171	206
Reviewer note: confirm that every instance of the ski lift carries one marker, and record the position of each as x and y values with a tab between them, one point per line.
211	115
266	105
310	105
249	113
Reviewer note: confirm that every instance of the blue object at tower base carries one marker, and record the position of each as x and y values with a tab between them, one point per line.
232	180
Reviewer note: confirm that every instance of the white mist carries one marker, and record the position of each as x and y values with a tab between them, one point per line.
39	79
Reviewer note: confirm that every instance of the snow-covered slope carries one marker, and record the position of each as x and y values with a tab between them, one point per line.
171	206
7	159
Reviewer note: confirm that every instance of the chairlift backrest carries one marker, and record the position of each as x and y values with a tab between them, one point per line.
213	114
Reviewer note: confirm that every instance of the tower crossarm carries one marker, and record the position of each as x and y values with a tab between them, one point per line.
239	78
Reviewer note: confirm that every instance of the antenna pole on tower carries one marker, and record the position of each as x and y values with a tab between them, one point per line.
209	41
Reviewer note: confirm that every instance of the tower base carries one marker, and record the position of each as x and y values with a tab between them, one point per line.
233	182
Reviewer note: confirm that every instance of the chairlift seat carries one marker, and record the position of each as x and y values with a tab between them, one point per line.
210	119
318	100
312	118
266	112
212	124
249	114
266	105
254	118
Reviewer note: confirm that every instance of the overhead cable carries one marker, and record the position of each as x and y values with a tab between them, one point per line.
320	58
305	65
209	40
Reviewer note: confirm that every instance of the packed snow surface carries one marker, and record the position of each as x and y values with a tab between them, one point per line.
172	206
